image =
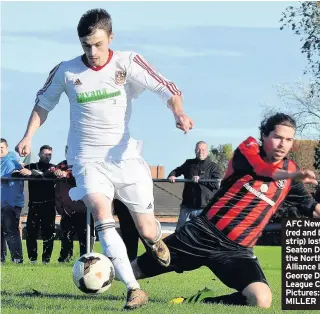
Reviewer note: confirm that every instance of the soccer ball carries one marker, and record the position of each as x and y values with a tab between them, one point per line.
93	273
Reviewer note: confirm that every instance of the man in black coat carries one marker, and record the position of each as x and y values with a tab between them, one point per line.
196	194
42	212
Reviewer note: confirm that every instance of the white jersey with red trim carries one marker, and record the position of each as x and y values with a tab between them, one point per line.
100	103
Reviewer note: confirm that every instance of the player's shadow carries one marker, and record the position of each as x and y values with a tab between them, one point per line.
37	294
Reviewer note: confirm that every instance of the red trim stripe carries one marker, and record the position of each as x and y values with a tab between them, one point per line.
49	80
86	63
174	87
171	86
145	66
166	83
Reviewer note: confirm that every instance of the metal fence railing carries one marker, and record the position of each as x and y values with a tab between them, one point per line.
88	235
56	179
275	227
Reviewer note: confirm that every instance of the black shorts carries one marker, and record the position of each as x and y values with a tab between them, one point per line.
199	243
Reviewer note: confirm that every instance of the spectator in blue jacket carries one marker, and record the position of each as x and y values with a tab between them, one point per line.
12	201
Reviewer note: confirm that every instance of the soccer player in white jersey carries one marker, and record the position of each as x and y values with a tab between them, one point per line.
101	85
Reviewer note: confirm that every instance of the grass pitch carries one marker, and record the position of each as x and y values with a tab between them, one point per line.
49	288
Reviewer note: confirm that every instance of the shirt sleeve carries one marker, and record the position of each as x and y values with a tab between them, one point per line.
49	95
11	165
247	158
299	197
177	172
142	74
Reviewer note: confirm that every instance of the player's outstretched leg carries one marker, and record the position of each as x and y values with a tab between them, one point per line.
256	294
150	230
114	248
136	192
158	248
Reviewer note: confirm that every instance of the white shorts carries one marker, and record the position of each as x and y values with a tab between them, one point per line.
128	180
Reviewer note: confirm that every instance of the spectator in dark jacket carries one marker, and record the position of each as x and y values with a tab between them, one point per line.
12	201
73	214
196	194
42	211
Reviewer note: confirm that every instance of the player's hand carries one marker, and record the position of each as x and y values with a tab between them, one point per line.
172	179
183	122
24	147
60	174
25	172
306	176
316	214
196	179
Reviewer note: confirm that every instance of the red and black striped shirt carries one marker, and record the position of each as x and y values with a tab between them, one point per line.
249	197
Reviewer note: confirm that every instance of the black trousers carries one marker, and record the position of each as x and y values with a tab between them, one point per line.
129	232
10	234
71	225
199	243
41	216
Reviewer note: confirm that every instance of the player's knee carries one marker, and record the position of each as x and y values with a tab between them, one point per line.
147	231
258	294
147	227
263	301
99	205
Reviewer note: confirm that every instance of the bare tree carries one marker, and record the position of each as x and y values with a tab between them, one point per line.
304	20
300	103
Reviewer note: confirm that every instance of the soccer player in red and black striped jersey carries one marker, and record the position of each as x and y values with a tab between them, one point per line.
258	179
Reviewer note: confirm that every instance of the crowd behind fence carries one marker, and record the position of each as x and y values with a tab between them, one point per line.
271	233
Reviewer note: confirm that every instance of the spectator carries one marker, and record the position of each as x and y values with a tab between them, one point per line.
73	214
196	194
12	201
42	211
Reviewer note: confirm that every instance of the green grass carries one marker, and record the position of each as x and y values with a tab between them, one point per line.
59	295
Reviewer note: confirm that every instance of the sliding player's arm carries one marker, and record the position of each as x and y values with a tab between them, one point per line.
247	158
299	197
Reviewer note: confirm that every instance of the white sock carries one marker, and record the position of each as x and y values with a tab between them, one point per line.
114	248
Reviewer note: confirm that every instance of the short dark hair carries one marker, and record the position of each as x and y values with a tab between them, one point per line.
269	124
45	147
93	20
2	140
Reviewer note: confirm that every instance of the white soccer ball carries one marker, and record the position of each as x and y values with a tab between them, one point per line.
93	273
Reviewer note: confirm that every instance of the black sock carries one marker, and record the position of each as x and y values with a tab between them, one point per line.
236	298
